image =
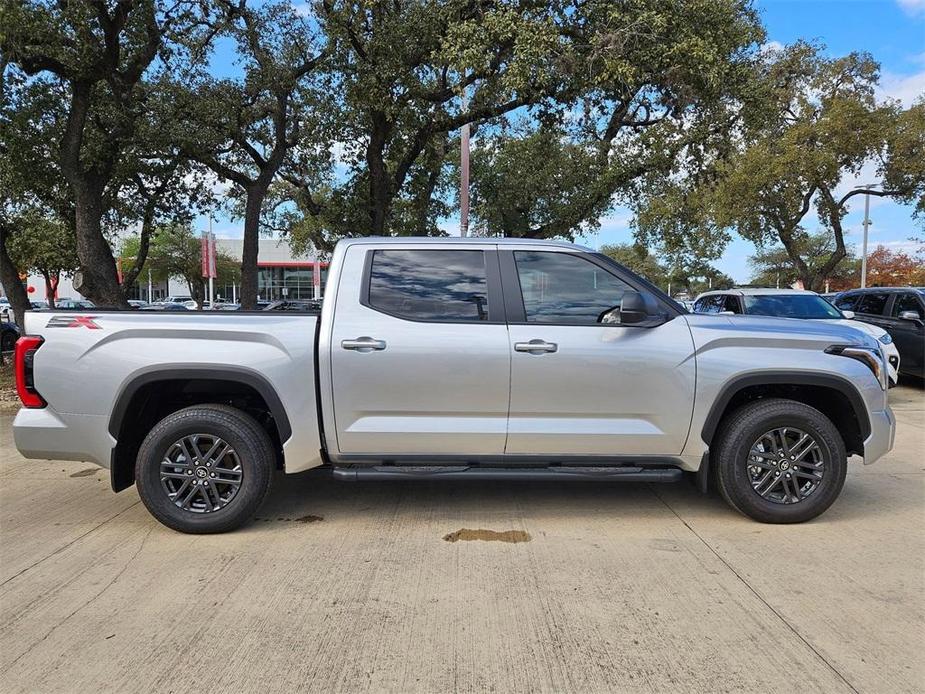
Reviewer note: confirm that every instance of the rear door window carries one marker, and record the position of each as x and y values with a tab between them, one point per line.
731	304
872	303
429	285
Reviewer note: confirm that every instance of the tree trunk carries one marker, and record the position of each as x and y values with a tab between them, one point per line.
9	277
249	270
196	291
144	244
799	265
379	199
834	214
97	266
51	286
100	281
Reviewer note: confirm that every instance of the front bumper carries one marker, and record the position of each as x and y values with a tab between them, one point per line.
882	435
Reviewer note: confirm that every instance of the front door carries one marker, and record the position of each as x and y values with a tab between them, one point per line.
908	333
419	352
579	387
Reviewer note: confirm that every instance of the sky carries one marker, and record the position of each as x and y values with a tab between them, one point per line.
893	31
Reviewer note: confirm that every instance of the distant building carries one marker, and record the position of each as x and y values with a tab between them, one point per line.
280	275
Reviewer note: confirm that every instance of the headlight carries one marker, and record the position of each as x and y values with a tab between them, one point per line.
886	338
870	357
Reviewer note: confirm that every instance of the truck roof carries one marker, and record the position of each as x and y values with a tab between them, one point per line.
456	240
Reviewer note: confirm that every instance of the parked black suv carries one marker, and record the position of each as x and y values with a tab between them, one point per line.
898	310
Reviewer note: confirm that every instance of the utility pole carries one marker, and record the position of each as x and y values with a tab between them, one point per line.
464	171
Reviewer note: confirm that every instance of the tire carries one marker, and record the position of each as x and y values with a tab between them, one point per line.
748	461
202	496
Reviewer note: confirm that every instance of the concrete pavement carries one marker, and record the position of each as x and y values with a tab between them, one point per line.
370	587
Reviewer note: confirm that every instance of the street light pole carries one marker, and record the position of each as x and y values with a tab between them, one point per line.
864	245
867	224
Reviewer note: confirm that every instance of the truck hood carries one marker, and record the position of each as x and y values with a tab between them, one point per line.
780	332
868	328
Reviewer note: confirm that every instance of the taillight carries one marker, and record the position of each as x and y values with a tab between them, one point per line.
22	362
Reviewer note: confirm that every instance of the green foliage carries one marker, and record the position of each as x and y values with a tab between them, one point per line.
538	186
176	252
904	169
90	72
687	279
344	116
806	124
43	245
639	260
645	84
772	266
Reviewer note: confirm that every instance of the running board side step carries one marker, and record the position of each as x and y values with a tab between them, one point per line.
465	472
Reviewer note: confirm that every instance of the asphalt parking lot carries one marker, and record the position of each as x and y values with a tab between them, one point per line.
370	587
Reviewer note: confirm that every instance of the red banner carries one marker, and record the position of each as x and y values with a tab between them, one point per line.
207	252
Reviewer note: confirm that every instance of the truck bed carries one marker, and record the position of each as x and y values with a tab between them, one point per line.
91	362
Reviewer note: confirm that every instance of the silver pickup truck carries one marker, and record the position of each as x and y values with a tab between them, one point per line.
455	358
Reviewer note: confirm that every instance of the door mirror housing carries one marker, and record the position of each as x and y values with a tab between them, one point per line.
635	308
909	315
848	314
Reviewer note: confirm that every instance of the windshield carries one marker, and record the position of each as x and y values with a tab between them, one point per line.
791	306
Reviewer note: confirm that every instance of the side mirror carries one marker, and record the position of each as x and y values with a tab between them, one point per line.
909	315
637	307
848	314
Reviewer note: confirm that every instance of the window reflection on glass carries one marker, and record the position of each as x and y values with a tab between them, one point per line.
809	306
280	282
430	284
906	302
873	304
564	288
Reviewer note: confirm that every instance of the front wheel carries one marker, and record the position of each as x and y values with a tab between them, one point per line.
780	461
205	469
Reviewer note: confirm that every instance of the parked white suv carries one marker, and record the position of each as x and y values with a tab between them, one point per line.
794	303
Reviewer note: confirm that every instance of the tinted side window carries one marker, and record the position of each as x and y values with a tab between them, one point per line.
700	306
711	304
731	303
906	302
846	302
429	285
564	288
872	303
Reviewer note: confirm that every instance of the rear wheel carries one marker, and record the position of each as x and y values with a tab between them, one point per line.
205	469
780	461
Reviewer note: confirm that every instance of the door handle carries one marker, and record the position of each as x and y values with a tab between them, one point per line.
536	347
363	344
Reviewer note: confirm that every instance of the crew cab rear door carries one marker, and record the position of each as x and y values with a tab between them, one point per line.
580	387
420	355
